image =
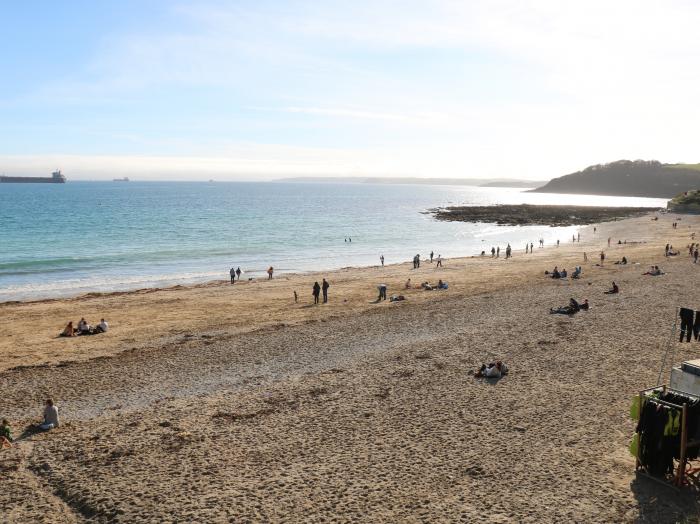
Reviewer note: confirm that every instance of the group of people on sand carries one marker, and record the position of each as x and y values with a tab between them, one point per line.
557	273
84	328
49	421
653	271
318	288
493	370
235	273
426	285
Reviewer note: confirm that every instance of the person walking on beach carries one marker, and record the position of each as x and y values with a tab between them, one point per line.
531	246
585	257
325	287
296	297
382	292
594	230
578	237
270	270
233	275
381	259
526	248
608	241
238	273
498	251
695	255
316	292
439	261
557	242
602	257
431	257
493	251
508	251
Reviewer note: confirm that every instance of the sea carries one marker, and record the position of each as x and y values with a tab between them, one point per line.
59	240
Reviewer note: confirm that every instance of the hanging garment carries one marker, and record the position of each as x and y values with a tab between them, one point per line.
655	451
687	323
692	422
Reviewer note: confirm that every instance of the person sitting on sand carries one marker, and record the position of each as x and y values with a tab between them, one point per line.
571	309
654	271
613	290
563	273
68	331
442	285
83	327
396	298
577	272
493	370
5	435
102	327
585	306
408	284
50	416
556	273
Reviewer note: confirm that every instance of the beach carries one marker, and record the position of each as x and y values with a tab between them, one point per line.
228	403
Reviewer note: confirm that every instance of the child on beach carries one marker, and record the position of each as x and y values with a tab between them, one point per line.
5	435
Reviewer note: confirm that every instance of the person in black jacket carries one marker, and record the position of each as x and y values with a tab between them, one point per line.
687	323
316	292
325	287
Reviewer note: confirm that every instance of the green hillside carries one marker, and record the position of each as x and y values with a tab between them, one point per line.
686	202
643	178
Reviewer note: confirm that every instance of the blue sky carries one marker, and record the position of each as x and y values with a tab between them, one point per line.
260	90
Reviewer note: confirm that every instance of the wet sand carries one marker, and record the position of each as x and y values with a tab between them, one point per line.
223	403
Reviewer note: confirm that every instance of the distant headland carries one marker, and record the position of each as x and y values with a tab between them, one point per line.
478	182
641	178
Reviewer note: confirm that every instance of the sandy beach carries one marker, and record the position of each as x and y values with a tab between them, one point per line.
233	403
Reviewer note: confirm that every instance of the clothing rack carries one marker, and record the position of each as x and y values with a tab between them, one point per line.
679	478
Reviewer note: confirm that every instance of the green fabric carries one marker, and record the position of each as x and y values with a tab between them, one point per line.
673	425
634	445
634	409
6	432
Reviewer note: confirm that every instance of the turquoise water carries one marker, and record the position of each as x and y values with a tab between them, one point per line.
63	240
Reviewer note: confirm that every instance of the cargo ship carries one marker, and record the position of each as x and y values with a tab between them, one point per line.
55	178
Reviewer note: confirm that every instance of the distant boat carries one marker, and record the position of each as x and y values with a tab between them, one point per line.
125	179
55	178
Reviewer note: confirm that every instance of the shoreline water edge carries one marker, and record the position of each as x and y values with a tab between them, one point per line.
146	235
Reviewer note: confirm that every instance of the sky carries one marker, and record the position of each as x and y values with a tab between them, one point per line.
259	90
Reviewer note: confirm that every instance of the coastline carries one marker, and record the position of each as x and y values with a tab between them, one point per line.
238	307
226	402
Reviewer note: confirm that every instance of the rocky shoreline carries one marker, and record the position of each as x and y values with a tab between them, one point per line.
527	214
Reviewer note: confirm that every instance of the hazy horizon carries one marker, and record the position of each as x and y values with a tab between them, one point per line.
259	91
